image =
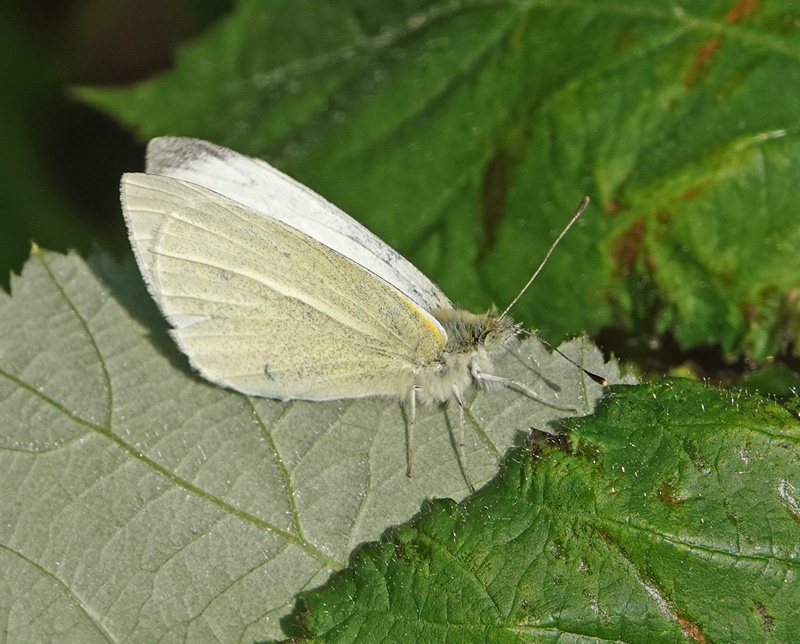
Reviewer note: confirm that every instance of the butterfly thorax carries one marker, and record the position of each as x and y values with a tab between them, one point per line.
472	341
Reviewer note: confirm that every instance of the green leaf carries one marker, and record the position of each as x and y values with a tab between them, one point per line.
673	516
141	503
465	133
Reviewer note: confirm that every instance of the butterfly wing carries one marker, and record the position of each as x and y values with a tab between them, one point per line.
263	308
257	185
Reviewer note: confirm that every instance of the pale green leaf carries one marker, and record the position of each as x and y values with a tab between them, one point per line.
141	503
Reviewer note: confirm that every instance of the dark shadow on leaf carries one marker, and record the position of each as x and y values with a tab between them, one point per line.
125	284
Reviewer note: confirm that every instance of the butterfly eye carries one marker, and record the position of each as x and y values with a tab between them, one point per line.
492	340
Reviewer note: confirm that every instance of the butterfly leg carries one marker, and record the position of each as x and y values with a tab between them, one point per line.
462	452
412	423
490	379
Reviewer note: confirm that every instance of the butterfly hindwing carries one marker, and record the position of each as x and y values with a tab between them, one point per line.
265	190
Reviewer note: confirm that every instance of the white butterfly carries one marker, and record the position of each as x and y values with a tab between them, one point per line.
272	291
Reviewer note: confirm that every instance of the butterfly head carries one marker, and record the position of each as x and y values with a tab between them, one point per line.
498	331
470	333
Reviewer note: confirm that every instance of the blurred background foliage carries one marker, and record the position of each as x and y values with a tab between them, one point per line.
61	159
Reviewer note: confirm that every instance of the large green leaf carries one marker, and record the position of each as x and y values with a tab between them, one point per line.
464	133
674	516
141	503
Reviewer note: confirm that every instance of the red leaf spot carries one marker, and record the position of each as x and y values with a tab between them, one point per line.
743	9
627	246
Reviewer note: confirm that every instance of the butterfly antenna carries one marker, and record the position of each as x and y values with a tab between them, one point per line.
581	208
598	379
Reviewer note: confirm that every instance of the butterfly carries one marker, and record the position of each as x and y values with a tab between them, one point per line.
272	291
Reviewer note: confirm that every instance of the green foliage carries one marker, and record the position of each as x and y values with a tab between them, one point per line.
143	504
673	516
